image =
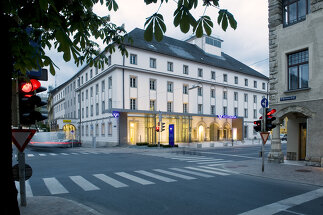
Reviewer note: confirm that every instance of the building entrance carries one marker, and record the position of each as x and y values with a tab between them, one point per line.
302	142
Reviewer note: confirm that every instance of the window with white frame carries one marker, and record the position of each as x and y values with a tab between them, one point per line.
200	109
169	106
132	104
170	66
185	108
152	105
185	89
133	82
185	69
152	63
199	91
133	59
110	128
169	87
152	84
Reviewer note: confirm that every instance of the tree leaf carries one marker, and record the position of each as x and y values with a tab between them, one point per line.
148	35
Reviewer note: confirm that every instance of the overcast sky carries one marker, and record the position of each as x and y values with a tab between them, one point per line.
248	43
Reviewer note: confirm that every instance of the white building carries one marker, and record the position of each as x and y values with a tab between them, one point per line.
205	93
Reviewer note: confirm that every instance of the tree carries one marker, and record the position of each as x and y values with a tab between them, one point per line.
71	27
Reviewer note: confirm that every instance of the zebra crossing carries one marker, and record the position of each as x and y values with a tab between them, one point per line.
121	180
192	159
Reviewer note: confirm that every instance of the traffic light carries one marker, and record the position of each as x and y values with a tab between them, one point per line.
28	101
269	119
257	125
163	126
158	126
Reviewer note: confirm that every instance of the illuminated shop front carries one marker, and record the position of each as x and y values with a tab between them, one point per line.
187	128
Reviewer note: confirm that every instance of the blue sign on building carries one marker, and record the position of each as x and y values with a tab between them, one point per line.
171	134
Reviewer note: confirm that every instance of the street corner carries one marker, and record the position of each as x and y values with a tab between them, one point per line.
53	205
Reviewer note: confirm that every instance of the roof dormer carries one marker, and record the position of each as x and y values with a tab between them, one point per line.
209	44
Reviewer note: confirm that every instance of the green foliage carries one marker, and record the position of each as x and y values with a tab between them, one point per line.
156	26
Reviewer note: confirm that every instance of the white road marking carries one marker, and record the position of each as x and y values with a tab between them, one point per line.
174	174
83	183
134	178
159	177
29	192
52	154
204	160
42	154
208	171
64	153
215	162
54	186
219	169
286	203
109	180
193	173
30	155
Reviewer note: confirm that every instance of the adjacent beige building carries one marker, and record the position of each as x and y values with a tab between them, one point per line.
296	77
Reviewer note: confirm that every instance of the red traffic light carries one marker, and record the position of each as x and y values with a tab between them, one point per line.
157	128
272	111
31	86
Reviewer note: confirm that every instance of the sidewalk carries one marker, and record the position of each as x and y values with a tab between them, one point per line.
52	205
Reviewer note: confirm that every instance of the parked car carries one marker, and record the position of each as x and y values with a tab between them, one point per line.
56	143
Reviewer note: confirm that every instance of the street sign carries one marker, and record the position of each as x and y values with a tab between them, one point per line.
15	172
21	137
264	136
264	102
171	134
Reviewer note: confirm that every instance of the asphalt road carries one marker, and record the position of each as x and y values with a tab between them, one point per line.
188	181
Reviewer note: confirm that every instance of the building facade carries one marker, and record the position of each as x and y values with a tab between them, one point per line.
204	93
295	82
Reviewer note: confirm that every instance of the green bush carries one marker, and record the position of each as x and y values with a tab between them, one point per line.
142	144
152	145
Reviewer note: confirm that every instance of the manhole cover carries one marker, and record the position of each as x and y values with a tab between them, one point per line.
303	170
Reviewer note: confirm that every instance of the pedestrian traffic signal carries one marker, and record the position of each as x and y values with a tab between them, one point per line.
28	101
257	125
163	127
269	119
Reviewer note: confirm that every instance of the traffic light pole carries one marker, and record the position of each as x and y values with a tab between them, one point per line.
160	124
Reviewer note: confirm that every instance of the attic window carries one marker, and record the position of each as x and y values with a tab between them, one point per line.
213	42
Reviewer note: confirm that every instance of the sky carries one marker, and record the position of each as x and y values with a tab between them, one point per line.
248	43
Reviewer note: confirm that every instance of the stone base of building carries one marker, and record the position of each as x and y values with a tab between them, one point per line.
276	157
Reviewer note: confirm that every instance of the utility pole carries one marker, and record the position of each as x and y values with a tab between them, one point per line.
160	123
263	129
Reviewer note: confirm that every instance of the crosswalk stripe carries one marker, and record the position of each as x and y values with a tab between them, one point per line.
83	183
214	162
219	164
134	178
208	171
42	154
218	169
174	174
73	153
195	161
52	154
159	177
64	153
193	173
29	192
109	180
30	155
54	186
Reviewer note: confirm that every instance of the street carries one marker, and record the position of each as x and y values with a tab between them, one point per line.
155	181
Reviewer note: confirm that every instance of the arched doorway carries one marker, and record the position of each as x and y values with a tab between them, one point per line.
70	131
201	133
214	132
226	131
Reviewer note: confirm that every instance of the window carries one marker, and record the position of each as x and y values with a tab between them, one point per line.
152	105
91	91
236	111
212	93
200	72
235	96
133	59
86	94
152	63
169	106
91	73
255	84
87	111
110	103
263	85
199	91
255	99
295	11
212	109
103	107
102	86
246	82
132	104
225	110
97	108
246	97
225	78
200	109
102	129
170	87
152	84
298	70
246	113
110	128
255	113
235	79
185	89
96	89
212	75
133	82
225	95
185	69
110	82
91	110
170	66
213	42
185	109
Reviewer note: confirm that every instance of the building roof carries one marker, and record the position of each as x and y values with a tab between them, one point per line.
181	49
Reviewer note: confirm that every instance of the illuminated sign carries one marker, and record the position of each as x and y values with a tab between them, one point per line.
115	114
226	117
